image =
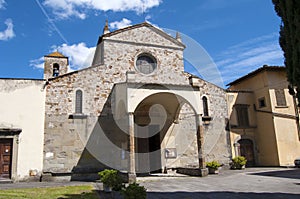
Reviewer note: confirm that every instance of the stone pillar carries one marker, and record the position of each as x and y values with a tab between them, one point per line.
200	140
131	173
236	149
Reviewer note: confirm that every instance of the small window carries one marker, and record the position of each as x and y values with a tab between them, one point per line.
78	102
280	97
261	102
242	115
145	63
205	106
55	69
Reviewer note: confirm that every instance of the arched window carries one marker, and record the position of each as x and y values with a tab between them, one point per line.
78	102
205	106
55	69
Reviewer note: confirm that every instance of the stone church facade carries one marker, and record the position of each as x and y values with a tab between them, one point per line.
134	109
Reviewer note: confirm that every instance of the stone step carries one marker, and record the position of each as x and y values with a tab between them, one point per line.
5	181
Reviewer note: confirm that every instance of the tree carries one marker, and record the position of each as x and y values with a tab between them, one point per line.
289	11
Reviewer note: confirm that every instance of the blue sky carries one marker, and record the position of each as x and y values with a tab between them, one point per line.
238	35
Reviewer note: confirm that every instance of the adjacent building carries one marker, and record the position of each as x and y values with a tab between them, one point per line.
264	122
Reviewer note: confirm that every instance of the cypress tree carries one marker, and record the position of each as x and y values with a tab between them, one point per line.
289	11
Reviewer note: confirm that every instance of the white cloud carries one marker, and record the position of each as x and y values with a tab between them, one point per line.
80	56
37	63
240	59
2	3
8	33
120	24
78	8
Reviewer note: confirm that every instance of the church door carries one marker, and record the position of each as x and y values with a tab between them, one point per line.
5	158
246	150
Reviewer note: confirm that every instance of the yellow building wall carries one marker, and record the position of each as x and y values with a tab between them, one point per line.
287	140
276	139
267	153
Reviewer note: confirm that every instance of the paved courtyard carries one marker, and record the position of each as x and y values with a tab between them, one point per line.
267	183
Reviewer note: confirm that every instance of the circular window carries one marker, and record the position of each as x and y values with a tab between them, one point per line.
146	64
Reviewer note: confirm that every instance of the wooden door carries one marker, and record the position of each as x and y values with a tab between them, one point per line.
246	150
5	158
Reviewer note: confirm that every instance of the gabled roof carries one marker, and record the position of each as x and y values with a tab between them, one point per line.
253	73
144	24
56	54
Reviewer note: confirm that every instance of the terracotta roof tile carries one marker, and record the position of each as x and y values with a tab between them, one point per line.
55	54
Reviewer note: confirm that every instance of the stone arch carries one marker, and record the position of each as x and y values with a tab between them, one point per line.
150	130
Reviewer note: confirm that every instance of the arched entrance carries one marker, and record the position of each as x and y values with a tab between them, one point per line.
155	119
152	111
246	150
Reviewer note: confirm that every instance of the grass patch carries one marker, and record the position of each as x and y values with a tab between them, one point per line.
65	192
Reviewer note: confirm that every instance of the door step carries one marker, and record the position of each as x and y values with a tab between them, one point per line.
5	181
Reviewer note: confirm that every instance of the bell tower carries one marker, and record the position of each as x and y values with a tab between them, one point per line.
55	64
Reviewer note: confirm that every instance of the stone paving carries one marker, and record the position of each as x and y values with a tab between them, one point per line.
267	183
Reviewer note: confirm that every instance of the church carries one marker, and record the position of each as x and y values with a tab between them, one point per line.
134	109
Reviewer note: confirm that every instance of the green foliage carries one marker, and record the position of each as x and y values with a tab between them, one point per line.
238	162
134	191
289	11
111	178
213	164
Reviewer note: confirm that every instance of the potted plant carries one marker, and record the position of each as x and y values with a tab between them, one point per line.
213	167
111	180
134	191
238	162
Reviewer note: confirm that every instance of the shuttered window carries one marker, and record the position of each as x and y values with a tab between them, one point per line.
280	97
242	115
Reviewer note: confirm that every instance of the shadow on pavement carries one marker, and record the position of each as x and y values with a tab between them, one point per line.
89	195
294	174
219	195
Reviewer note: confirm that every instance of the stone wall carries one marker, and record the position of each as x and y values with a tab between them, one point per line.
50	61
216	137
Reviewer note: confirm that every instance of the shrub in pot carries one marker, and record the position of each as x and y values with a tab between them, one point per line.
238	162
213	167
111	180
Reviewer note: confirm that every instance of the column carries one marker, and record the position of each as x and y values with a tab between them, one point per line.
131	173
200	140
236	149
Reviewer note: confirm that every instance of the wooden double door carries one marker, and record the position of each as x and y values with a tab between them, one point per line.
5	157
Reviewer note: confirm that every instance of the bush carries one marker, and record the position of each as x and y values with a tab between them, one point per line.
134	191
238	162
213	164
111	178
